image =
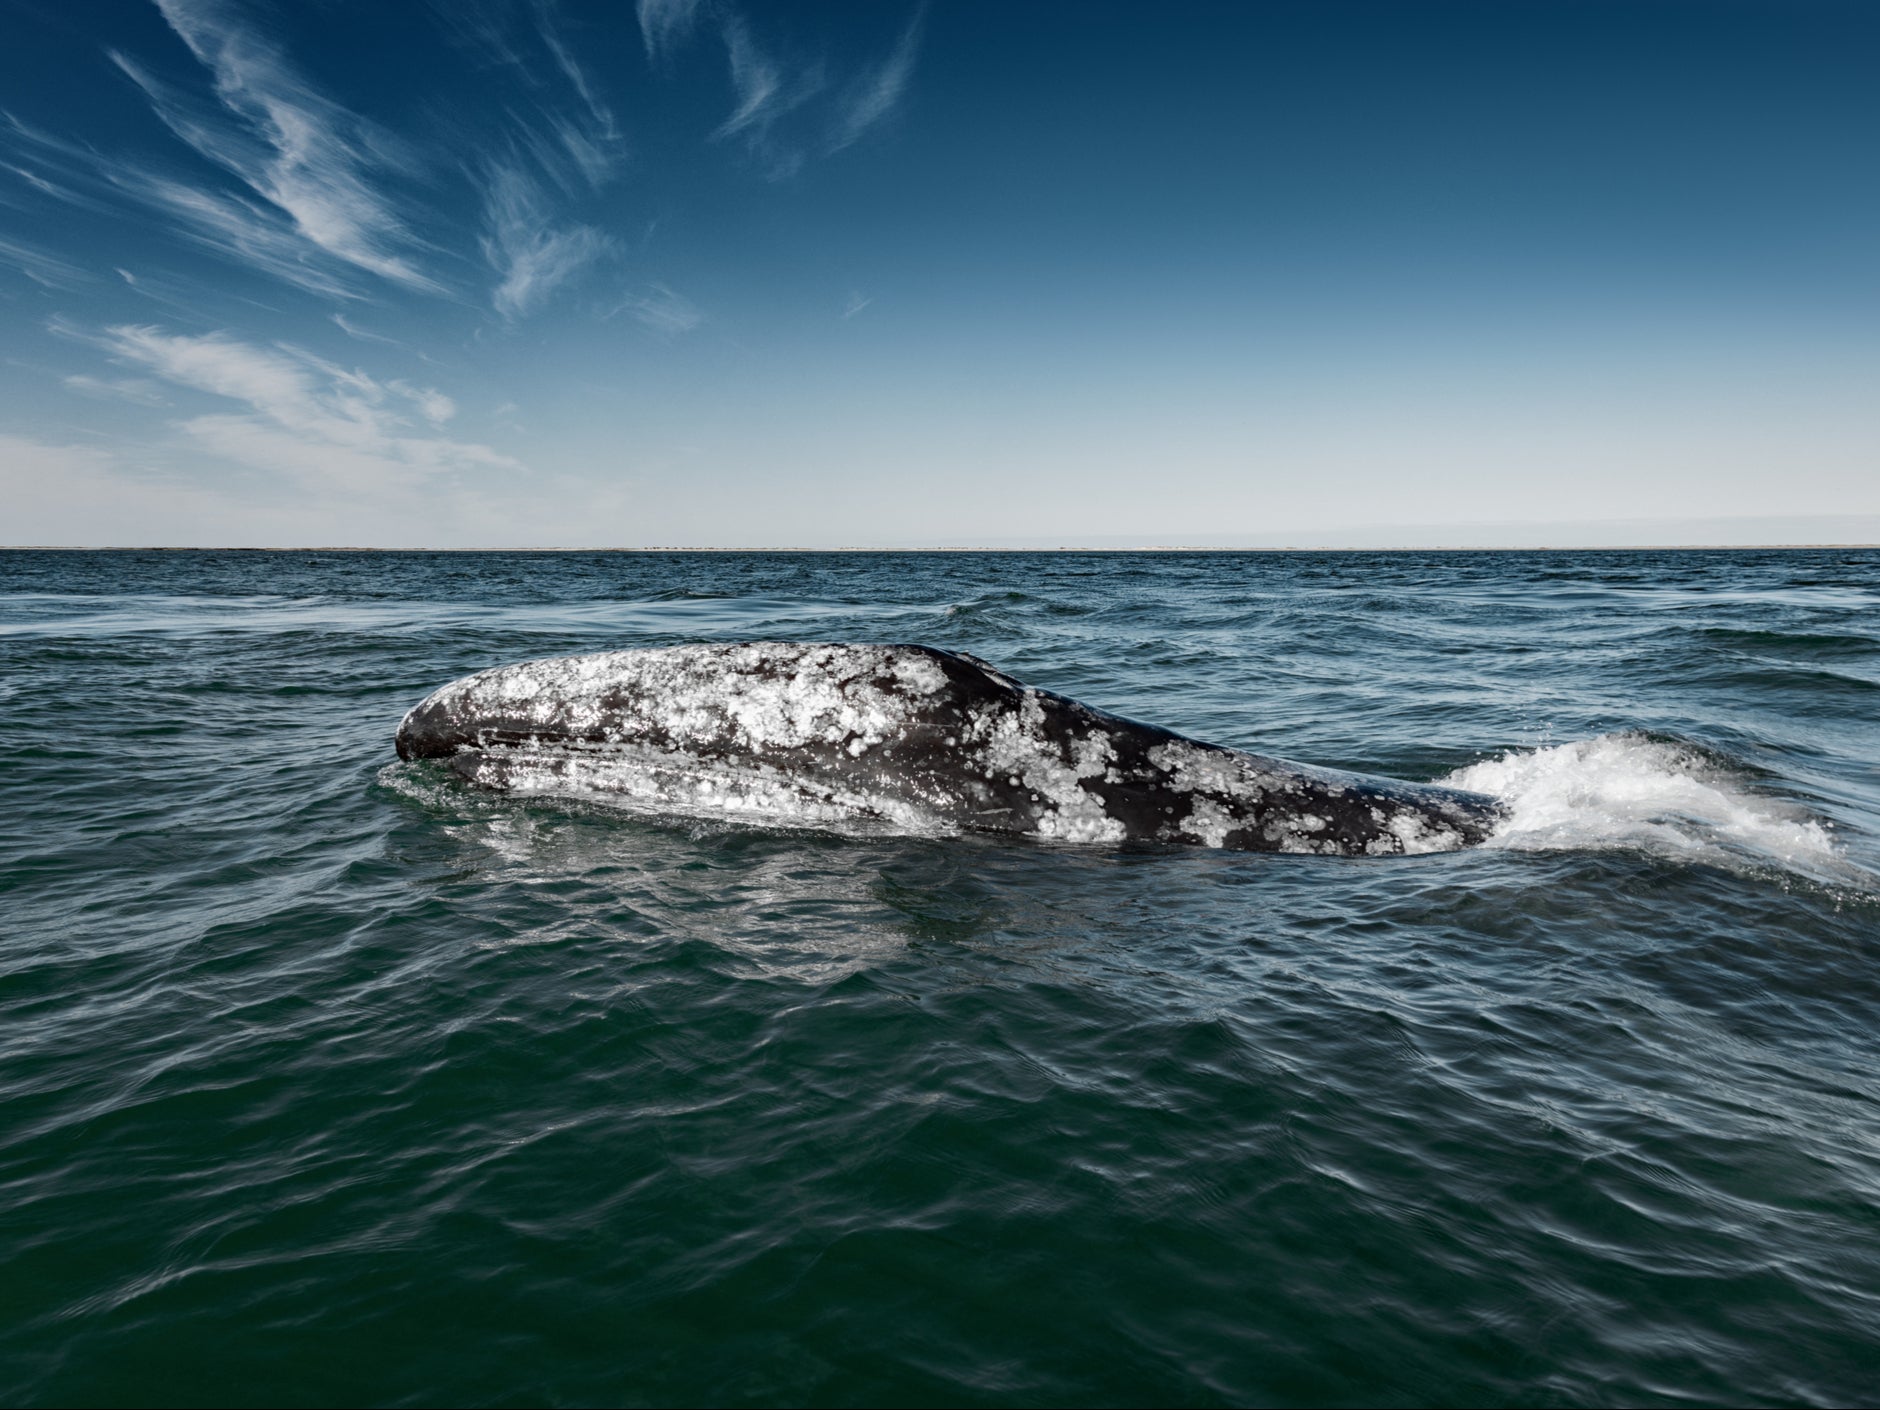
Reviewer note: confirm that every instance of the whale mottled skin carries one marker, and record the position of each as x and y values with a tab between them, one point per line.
904	734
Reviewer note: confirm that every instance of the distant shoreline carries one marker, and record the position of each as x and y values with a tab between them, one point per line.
945	548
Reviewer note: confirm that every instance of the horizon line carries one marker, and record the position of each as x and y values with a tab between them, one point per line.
940	548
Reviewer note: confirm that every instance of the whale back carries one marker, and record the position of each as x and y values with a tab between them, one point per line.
910	734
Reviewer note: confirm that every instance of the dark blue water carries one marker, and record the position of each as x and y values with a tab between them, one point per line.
326	1079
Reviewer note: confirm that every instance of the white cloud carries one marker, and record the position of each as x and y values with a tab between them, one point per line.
594	158
138	389
531	256
766	91
238	228
878	91
320	423
662	310
41	184
548	26
323	199
432	404
586	143
292	146
364	335
756	80
769	88
233	226
665	24
557	150
58	190
42	267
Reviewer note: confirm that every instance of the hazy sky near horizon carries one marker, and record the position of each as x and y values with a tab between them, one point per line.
545	272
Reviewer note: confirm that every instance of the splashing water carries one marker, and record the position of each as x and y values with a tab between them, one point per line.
1631	790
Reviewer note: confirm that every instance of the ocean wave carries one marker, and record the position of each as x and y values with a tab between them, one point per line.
1832	645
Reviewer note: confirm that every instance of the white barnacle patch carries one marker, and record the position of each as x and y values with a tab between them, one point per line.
919	674
1016	744
1418	834
1208	822
1249	793
718	726
1193	768
760	697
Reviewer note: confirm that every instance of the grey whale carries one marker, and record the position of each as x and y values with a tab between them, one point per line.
819	733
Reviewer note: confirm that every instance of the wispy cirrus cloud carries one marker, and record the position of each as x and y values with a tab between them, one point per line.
557	109
530	254
556	144
766	90
238	228
660	309
337	226
41	266
39	181
878	91
548	24
291	145
301	415
786	107
137	389
432	404
228	224
364	335
562	152
308	192
665	24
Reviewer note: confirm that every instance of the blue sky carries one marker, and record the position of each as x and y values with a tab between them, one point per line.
558	273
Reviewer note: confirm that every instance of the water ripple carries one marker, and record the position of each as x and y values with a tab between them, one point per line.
326	1080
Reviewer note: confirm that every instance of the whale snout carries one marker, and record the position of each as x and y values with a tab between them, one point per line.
428	732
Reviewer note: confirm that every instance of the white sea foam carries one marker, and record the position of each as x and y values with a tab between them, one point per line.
1630	790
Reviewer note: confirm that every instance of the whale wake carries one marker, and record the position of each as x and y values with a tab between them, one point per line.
1634	791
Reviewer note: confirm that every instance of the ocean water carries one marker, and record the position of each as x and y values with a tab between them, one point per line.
324	1078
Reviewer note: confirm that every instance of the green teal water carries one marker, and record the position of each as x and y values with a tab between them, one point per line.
323	1079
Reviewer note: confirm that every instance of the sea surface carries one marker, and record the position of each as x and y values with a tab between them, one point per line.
325	1079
